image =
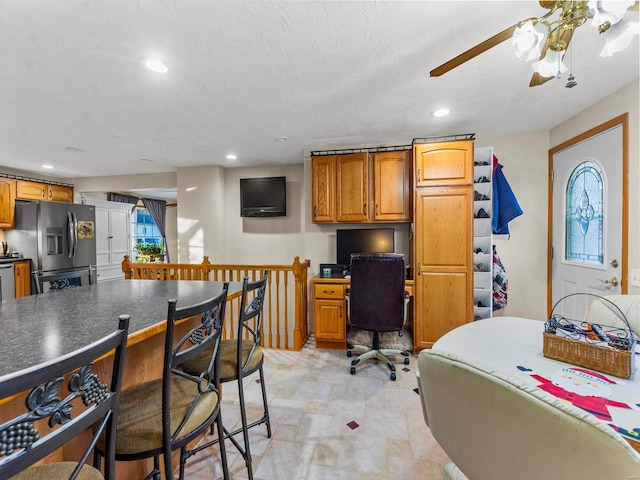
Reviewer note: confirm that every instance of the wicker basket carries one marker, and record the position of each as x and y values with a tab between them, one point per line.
572	341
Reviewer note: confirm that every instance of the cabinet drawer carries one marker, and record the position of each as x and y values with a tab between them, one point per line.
328	290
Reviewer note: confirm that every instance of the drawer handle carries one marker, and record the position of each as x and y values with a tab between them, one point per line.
328	291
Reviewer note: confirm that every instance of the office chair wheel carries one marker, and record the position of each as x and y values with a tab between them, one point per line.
352	370
393	376
406	360
349	353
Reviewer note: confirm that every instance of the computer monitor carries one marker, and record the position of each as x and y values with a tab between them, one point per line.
362	240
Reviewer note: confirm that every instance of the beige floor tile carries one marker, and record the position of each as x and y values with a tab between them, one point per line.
312	397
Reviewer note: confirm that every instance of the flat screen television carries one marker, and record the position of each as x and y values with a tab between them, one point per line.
362	240
263	197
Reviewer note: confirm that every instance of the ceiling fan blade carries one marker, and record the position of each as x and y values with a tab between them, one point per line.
564	35
473	52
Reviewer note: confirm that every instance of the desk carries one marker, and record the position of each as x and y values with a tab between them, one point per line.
513	346
329	316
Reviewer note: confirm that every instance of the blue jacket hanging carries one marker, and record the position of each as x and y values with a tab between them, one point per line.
505	204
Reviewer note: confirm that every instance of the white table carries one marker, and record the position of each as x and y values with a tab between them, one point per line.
513	346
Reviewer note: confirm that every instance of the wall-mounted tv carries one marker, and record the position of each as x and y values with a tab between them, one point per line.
263	197
362	240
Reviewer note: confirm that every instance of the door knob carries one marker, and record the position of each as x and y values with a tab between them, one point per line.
613	281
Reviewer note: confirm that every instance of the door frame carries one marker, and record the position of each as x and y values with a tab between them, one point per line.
622	120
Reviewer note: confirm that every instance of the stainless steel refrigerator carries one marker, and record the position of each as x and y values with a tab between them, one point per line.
56	236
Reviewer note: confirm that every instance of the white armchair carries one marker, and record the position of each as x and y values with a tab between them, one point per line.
492	427
603	312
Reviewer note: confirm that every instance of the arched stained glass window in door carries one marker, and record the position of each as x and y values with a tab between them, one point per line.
584	216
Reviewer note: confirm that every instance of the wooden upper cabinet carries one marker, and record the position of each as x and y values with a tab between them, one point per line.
59	193
352	180
323	186
362	187
7	202
448	163
392	186
26	190
31	190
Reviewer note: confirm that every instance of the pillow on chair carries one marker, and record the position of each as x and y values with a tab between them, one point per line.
602	312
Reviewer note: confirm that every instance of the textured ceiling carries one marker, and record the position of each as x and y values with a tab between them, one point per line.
325	74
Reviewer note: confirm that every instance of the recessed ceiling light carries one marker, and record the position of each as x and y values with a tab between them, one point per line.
47	166
441	112
146	160
281	139
156	66
231	156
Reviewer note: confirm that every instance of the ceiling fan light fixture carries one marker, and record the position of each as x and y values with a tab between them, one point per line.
608	10
528	40
618	37
551	65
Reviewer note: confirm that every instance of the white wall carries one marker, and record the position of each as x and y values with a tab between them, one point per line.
523	253
274	240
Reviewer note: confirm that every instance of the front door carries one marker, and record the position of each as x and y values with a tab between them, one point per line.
589	216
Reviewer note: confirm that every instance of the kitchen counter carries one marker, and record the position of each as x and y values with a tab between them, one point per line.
12	259
40	328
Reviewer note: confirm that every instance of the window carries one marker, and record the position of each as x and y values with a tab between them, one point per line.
584	215
144	228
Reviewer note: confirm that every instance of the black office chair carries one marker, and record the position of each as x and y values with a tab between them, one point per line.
160	416
52	417
62	280
377	303
241	357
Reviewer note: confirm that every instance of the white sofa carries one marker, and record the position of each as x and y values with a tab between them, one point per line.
493	428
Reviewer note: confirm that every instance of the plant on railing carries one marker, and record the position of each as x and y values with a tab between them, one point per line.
149	252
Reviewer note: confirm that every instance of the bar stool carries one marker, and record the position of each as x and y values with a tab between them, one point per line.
52	419
160	416
241	357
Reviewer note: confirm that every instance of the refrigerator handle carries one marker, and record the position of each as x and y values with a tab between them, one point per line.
75	233
72	233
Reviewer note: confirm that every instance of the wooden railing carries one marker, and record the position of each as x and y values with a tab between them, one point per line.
285	315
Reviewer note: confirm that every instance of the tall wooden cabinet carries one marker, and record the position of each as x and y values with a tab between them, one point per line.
443	239
113	226
362	187
7	202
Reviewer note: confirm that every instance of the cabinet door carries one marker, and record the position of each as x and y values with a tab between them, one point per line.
31	190
329	321
443	261
103	253
323	187
352	180
7	202
120	223
58	193
392	186
22	278
448	163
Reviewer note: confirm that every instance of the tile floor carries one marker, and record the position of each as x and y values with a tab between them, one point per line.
312	399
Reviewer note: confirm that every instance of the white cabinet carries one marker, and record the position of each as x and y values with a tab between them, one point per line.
113	226
482	239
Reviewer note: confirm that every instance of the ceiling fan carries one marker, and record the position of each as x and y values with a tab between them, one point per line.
546	38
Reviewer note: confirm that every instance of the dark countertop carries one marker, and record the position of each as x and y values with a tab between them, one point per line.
12	259
39	328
